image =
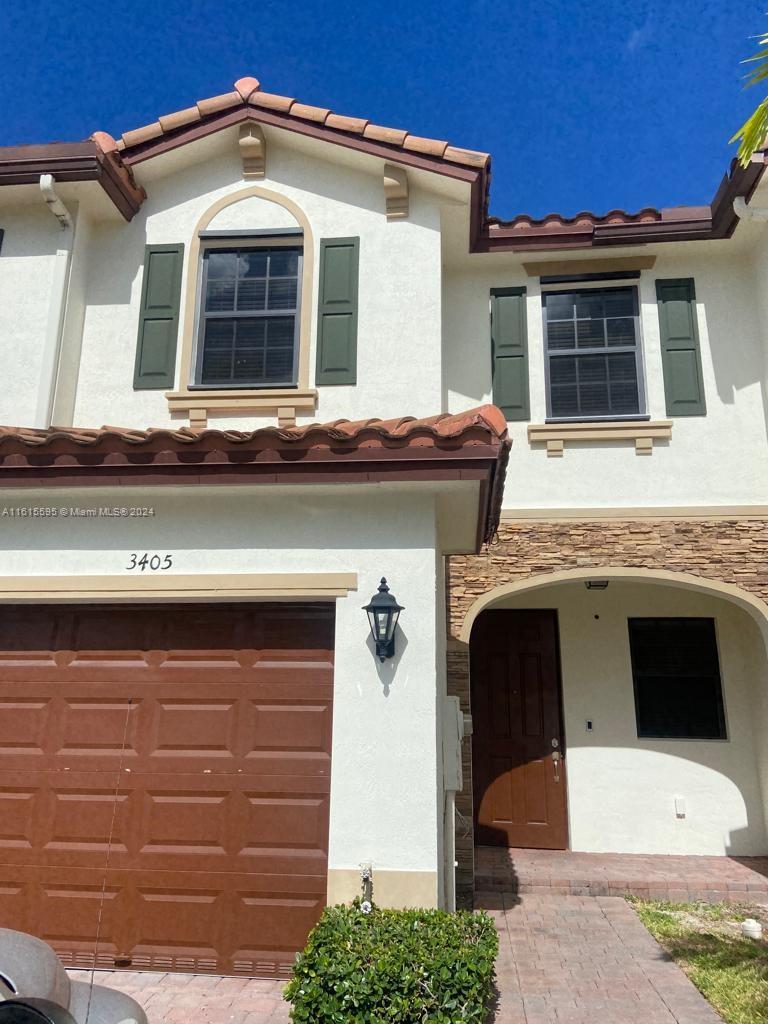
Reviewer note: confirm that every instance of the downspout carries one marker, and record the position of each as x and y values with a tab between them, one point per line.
744	212
57	305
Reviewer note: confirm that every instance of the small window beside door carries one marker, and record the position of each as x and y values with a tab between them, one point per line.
248	318
676	673
593	357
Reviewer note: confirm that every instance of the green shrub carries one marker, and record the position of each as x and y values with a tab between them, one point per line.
394	967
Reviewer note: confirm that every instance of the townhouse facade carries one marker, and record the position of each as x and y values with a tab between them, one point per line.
260	356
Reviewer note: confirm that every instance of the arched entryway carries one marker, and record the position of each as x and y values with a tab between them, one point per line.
659	681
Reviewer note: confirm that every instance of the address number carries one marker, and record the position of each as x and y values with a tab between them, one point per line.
155	563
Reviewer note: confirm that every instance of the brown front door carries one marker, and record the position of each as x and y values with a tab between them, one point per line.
519	787
165	782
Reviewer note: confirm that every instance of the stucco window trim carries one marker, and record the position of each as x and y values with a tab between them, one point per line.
642	432
178	587
286	402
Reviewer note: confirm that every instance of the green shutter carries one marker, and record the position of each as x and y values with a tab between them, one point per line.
680	355
159	317
337	311
509	352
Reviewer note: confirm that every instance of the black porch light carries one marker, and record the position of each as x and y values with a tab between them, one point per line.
383	613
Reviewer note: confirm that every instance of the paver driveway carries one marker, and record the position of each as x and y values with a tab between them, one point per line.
198	998
562	960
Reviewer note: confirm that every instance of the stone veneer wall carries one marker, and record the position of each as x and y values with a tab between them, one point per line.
731	551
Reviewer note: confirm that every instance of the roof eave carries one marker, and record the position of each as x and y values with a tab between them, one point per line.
73	161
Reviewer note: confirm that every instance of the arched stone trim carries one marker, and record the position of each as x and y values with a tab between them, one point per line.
752	604
255	400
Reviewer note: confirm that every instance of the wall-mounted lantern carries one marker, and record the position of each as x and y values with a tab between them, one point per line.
383	613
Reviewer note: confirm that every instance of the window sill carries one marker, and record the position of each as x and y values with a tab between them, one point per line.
642	432
284	402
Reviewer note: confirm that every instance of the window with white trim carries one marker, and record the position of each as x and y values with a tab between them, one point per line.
248	322
593	354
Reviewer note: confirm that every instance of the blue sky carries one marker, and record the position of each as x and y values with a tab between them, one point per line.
588	105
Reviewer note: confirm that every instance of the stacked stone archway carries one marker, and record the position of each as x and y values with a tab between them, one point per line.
727	557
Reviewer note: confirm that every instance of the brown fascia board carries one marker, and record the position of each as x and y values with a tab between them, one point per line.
484	464
677	224
73	161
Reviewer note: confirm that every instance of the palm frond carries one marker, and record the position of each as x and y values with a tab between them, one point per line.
752	134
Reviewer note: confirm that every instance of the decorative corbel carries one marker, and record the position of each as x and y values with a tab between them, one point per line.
253	150
396	192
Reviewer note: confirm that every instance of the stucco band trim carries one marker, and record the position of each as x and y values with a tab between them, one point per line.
390	888
199	403
177	587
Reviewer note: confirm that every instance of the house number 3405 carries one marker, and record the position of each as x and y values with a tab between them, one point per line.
154	562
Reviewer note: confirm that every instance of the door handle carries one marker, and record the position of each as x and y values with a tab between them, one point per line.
556	764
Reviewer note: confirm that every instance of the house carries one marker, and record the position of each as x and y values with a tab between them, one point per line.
260	355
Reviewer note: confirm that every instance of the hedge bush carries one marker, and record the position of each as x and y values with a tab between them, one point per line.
394	967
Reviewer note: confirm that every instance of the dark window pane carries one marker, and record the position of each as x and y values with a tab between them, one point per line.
220	297
282	293
283	263
561	334
621	331
591	333
619	302
219	334
253	263
559	306
222	265
565	401
589	305
251	293
562	370
678	692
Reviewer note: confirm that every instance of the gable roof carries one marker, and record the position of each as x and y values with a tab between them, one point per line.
111	161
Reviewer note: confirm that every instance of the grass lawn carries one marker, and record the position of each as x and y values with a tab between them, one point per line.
706	941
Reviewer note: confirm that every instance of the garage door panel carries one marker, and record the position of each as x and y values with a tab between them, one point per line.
208	768
187	823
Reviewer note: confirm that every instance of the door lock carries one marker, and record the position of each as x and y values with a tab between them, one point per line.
556	764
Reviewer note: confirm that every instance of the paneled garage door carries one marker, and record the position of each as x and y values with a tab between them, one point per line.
165	771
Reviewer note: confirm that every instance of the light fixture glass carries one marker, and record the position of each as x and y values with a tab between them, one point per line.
383	612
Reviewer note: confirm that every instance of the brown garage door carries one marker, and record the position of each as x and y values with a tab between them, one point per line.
200	738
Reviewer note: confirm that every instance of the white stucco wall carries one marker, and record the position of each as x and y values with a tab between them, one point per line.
384	768
399	332
27	258
717	459
621	789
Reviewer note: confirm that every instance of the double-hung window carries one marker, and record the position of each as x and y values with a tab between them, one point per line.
593	357
248	322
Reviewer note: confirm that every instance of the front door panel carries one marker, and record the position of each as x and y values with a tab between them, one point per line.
519	786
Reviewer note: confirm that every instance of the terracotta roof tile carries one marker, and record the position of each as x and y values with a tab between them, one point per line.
144	134
346	124
392	136
486	420
310	113
431	147
245	86
247	90
271	101
179	118
217	103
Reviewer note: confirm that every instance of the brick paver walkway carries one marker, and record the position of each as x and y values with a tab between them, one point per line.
562	960
614	874
198	998
585	960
